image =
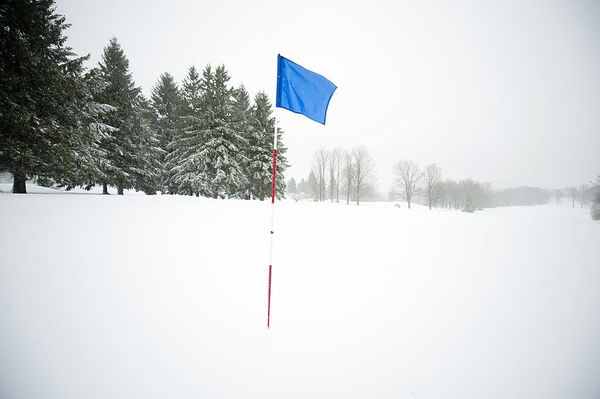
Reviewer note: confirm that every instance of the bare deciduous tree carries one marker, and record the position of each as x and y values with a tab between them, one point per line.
585	195
313	186
321	156
558	195
348	172
573	194
595	208
334	173
433	184
338	155
450	190
364	172
408	175
474	194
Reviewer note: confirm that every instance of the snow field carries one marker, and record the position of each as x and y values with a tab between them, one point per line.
165	296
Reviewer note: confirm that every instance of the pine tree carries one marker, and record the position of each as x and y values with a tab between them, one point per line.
120	92
91	159
42	95
96	118
166	105
220	157
241	116
181	159
260	150
147	169
291	187
302	187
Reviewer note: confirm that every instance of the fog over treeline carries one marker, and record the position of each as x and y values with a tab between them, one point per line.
350	175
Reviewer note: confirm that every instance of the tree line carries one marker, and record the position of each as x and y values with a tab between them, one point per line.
351	176
68	126
428	186
412	183
349	172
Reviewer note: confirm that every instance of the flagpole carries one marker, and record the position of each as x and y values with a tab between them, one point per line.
272	231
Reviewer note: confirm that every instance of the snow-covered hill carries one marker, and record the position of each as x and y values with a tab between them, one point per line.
165	297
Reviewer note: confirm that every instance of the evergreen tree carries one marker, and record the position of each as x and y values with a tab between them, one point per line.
42	95
302	187
220	158
260	150
120	92
147	170
241	115
91	158
181	158
166	105
291	187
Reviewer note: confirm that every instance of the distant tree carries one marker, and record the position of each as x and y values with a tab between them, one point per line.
433	184
302	187
558	195
474	194
364	172
521	196
595	208
408	176
585	195
339	155
348	172
291	187
450	193
321	158
313	186
333	167
573	195
44	100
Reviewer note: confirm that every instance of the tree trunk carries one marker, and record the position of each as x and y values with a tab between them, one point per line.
105	189
19	183
119	189
337	187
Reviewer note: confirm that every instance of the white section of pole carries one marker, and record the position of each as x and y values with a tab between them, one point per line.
273	189
272	232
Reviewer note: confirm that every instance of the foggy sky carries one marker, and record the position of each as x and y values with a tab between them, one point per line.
506	92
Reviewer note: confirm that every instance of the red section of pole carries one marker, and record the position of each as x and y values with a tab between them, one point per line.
269	306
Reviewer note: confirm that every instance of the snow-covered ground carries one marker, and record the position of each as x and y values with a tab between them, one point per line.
165	297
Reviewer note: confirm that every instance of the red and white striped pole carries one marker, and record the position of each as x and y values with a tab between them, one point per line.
273	193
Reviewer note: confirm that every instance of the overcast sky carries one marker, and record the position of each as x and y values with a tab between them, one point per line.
506	92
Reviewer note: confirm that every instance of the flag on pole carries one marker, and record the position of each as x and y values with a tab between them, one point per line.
302	91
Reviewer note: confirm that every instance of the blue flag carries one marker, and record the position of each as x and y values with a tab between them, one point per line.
302	91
